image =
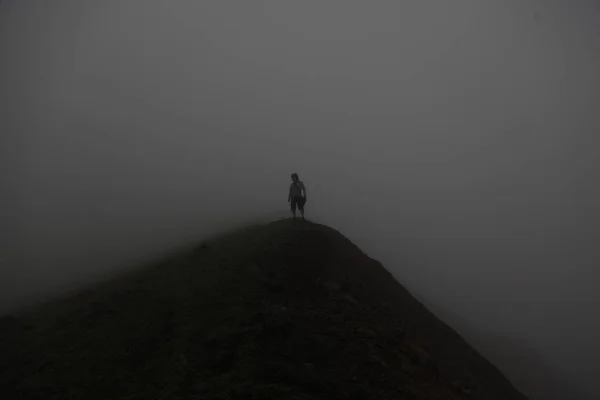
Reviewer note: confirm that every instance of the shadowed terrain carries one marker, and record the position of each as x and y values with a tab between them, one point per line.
289	310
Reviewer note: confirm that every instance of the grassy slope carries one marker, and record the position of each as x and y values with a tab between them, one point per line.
285	311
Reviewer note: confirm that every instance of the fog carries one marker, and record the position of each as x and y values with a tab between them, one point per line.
454	141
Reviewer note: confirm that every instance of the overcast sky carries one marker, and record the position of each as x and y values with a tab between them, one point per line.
454	141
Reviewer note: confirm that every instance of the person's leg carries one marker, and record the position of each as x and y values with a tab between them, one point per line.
301	206
293	206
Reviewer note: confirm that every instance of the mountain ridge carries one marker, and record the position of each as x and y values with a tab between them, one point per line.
287	310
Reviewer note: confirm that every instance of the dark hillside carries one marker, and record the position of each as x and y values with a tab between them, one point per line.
290	310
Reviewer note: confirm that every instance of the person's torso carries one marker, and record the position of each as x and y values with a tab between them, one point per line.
296	189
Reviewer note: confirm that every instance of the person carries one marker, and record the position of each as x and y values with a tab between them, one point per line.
297	195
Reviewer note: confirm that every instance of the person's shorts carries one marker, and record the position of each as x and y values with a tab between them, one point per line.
298	201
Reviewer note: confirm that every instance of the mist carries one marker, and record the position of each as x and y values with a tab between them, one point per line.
455	142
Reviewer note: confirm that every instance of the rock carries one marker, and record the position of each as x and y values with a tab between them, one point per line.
277	309
351	299
462	388
416	353
379	360
333	286
367	332
398	332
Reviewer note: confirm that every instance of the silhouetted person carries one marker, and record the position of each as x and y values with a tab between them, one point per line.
297	195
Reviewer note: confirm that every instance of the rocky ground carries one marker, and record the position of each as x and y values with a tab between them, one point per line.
290	310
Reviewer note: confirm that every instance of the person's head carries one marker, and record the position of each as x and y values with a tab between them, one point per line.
295	177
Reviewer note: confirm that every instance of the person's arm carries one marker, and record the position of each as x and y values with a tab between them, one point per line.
304	189
290	194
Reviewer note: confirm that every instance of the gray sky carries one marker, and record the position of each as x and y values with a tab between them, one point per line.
456	142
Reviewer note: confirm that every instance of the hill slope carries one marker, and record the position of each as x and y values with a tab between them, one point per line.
291	310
